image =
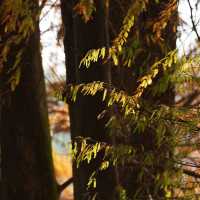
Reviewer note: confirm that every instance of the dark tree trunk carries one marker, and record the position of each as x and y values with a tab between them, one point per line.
27	167
153	48
79	38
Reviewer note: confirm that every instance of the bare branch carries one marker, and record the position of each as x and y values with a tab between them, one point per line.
191	173
193	21
43	2
64	185
51	6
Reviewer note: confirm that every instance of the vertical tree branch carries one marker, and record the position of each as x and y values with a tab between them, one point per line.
108	73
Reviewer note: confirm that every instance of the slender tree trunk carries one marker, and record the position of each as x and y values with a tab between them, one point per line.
27	167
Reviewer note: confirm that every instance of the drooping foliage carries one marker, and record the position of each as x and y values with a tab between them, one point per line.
17	24
151	136
26	160
150	133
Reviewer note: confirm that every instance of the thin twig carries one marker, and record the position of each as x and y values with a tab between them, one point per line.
193	21
43	2
191	173
64	185
54	4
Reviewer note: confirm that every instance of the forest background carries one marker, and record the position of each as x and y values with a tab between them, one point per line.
139	121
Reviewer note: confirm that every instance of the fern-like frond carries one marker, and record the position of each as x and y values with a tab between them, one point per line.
94	55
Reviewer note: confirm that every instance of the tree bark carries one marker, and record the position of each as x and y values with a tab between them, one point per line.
152	50
79	38
27	167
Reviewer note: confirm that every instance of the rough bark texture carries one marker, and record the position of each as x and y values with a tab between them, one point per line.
79	38
27	168
152	51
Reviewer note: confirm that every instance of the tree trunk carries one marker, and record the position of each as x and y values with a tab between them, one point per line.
154	47
79	38
27	167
